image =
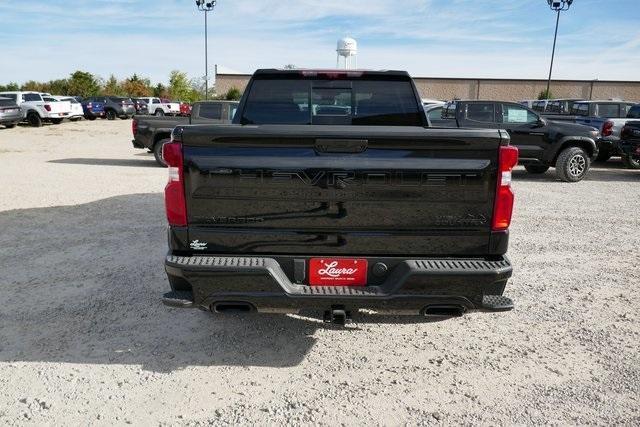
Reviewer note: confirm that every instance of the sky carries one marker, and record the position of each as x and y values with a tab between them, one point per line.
45	40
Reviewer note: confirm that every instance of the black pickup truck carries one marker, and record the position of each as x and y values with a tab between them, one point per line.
542	143
630	142
153	132
329	192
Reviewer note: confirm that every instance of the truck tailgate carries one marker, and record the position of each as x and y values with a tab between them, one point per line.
346	190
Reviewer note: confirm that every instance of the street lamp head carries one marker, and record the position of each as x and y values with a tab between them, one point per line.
206	6
559	5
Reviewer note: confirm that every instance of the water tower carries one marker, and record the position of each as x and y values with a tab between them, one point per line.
347	49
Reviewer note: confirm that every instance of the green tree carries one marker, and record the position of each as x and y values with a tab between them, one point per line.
112	87
544	94
233	94
34	86
135	86
84	84
179	86
58	87
12	86
160	91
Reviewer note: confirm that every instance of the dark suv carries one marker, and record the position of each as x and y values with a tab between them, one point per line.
542	143
115	106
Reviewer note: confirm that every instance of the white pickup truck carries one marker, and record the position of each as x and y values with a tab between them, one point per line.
36	110
161	107
77	113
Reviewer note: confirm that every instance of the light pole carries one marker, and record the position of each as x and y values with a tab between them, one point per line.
206	7
557	6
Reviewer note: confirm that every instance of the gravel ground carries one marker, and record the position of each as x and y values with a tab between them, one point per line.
84	338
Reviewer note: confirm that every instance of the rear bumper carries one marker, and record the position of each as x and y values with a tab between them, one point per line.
630	148
277	284
10	118
610	145
137	144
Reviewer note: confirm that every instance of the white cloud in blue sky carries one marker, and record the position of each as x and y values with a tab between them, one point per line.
45	40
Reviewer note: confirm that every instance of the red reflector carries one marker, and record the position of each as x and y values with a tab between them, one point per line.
337	272
503	207
607	128
174	199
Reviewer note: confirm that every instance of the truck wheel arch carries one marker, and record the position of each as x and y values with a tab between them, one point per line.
36	121
587	144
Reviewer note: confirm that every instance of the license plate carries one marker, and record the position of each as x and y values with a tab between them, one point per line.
337	272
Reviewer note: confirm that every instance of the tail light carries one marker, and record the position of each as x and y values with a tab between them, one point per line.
89	106
134	127
174	199
607	128
47	107
503	207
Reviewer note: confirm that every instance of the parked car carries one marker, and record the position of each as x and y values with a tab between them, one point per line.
77	112
162	107
429	102
434	115
561	107
10	113
185	109
35	110
542	143
92	109
140	106
115	106
607	116
153	132
630	143
297	206
539	105
527	102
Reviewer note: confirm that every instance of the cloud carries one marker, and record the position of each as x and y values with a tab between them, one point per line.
491	38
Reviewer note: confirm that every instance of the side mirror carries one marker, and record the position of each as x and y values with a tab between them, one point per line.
541	121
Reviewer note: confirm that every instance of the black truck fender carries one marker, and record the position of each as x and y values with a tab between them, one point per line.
588	144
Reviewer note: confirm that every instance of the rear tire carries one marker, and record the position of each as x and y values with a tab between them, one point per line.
10	125
572	164
630	163
157	152
111	115
536	169
91	118
34	119
159	112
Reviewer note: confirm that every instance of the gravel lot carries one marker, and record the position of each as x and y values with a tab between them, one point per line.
84	338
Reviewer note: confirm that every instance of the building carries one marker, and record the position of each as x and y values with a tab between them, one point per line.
499	89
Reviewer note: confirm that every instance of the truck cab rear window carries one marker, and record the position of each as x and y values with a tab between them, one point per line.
326	102
211	111
28	97
609	110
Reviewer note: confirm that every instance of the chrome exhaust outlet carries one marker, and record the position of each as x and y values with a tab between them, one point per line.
444	310
232	307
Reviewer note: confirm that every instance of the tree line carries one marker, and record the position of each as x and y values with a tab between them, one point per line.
82	83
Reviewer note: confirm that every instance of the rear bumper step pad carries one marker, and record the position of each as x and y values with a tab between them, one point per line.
470	269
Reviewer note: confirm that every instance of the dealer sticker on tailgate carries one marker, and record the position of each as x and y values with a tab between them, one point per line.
337	272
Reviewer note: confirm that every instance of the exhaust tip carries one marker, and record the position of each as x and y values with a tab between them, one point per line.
444	310
232	307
